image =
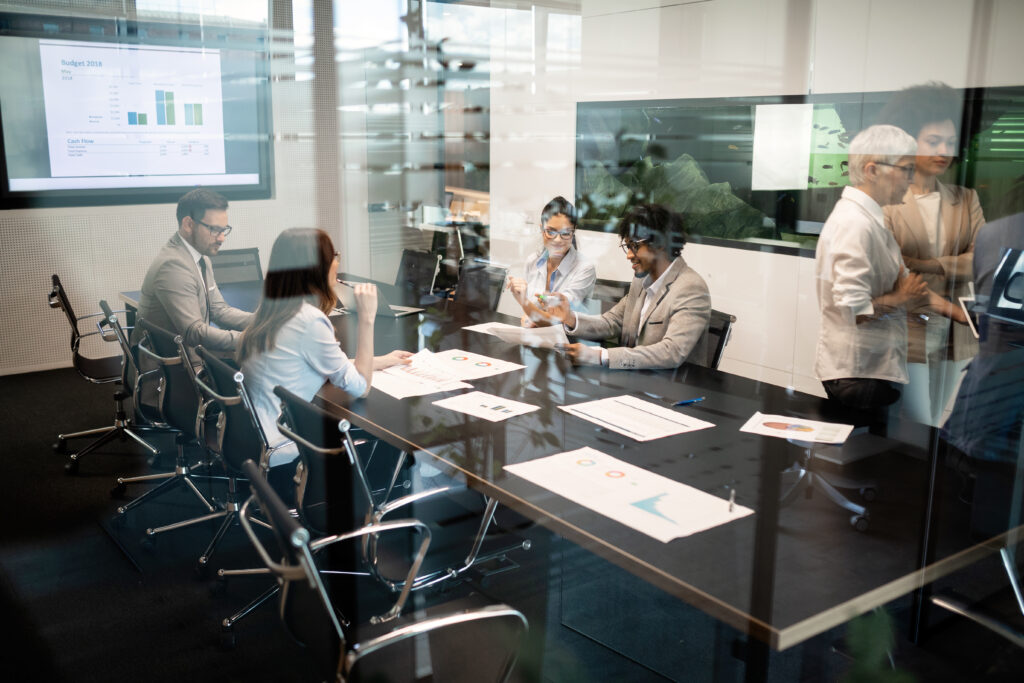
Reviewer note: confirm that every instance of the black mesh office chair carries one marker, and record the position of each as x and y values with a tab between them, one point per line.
480	285
239	436
108	369
719	331
180	407
461	643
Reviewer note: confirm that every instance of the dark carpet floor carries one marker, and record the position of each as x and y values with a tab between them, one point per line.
83	600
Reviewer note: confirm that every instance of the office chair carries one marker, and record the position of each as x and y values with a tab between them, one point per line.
810	478
105	370
237	265
719	331
480	285
417	272
179	406
457	643
239	436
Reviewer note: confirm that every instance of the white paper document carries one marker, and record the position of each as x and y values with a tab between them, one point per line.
487	406
535	337
465	365
648	502
636	418
797	429
419	378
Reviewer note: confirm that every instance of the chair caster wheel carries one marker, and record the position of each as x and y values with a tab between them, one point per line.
859	522
227	638
202	570
119	491
60	446
71	467
868	493
219	587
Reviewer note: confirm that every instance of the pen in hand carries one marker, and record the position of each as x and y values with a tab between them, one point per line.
688	401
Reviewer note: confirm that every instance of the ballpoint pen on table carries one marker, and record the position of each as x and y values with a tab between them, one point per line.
688	401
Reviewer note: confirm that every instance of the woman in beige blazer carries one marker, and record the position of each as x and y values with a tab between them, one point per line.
935	226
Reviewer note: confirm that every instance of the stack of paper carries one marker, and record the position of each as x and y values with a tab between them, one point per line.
636	418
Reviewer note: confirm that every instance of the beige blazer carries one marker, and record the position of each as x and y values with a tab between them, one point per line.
961	220
674	330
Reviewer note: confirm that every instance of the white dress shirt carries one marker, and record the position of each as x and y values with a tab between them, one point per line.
857	260
305	354
574	278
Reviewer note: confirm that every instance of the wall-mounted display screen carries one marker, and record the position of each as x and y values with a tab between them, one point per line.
111	112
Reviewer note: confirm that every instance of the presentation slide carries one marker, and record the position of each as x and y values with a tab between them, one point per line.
116	110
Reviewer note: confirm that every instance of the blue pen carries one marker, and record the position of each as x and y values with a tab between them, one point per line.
688	401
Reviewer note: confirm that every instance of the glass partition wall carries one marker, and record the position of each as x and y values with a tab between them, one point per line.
874	276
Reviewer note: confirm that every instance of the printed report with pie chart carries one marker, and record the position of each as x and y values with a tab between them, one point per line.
650	503
465	366
797	429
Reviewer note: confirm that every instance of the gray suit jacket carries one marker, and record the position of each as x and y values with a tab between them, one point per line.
173	298
674	330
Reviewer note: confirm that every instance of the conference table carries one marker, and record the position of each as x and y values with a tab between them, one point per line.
780	575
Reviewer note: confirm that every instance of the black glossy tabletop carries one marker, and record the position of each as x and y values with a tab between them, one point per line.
781	574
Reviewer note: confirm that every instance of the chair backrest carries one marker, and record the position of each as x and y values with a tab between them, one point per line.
609	292
480	284
333	494
58	298
719	331
239	434
416	273
237	265
178	399
130	367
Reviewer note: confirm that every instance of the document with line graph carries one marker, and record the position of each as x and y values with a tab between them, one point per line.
650	503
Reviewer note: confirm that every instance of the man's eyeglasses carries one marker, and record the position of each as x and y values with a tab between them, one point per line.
631	245
215	230
551	233
907	170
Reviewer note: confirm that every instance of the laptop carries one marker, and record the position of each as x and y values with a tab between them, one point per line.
343	290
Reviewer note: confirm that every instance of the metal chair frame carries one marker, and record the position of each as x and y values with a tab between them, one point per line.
98	371
182	474
299	566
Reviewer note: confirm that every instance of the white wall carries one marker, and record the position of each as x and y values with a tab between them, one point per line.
729	48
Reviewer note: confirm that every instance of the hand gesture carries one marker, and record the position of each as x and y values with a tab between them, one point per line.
582	354
366	299
393	358
911	288
555	307
517	286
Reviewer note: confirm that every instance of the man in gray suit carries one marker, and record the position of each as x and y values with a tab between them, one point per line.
179	292
663	319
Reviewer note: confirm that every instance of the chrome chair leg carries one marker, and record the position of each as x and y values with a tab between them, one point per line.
85	432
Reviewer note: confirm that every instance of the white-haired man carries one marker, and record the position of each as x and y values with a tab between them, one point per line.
864	288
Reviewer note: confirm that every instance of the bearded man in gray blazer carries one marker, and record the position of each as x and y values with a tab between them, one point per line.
663	319
179	292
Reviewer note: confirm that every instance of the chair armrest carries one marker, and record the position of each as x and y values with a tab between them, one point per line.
390	507
376	529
